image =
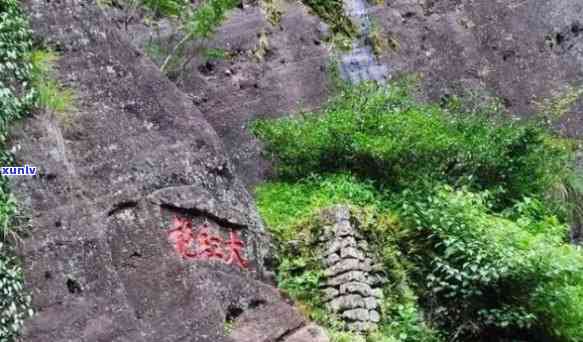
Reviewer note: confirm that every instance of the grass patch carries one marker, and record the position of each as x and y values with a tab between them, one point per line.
51	95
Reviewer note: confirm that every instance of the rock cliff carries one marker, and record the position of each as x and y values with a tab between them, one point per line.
140	149
113	173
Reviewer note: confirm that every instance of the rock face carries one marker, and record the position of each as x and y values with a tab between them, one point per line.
522	51
290	76
112	174
272	70
353	287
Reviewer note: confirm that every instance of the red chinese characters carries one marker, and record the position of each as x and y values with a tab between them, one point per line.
235	247
181	237
202	245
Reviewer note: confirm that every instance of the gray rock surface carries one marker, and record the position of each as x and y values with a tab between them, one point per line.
521	51
267	324
292	76
112	174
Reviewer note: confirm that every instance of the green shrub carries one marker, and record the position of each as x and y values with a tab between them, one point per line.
332	11
381	133
281	204
291	211
16	95
487	275
198	23
208	16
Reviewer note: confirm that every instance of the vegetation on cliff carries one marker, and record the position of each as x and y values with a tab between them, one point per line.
481	240
16	97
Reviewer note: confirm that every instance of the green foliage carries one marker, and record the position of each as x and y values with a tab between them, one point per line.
381	133
403	322
16	98
208	16
455	200
14	304
292	210
166	8
215	55
281	203
486	274
197	23
16	95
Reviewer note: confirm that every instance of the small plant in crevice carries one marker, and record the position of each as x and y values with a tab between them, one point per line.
559	103
262	49
199	23
332	12
272	11
191	28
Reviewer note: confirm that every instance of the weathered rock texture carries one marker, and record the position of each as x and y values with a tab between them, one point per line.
273	70
291	76
353	286
112	173
522	51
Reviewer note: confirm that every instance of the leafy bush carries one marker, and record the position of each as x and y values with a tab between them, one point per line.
16	95
292	210
207	17
382	134
281	204
487	275
197	23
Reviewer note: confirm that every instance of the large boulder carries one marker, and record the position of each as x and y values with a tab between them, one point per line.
113	173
